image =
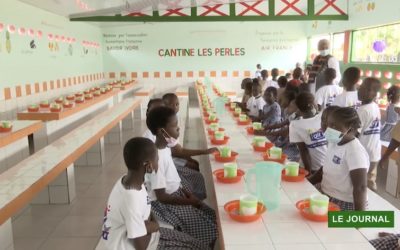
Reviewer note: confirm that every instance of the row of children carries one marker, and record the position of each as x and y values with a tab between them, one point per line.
340	146
163	183
335	133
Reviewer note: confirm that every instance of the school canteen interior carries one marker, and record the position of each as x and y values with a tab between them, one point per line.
76	77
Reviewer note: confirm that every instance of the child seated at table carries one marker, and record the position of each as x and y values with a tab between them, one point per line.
128	222
297	73
247	84
279	133
171	202
392	117
256	103
271	113
192	179
274	81
344	174
327	94
370	116
307	133
282	82
349	96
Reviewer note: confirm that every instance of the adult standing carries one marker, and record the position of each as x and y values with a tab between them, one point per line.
322	62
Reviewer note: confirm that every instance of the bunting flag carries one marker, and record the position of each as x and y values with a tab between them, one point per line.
291	7
148	11
330	7
174	8
258	8
213	10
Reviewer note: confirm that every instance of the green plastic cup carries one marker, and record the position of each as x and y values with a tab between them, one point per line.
275	153
242	117
214	126
230	170
212	117
257	125
248	204
233	105
225	152
319	204
219	135
6	124
238	110
292	168
259	141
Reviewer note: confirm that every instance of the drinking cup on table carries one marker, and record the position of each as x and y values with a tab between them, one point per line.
219	135
259	141
242	117
292	168
275	153
248	204
230	170
257	125
319	204
225	152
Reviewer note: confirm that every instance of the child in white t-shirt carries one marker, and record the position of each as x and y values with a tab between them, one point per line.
256	103
188	169
343	176
349	97
307	133
128	223
370	117
327	94
171	202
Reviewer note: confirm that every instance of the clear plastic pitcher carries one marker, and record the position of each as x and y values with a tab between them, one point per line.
264	181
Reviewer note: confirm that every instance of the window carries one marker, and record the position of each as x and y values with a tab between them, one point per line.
338	46
377	45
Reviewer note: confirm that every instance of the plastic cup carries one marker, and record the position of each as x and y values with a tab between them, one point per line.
275	153
319	204
257	125
259	141
6	124
214	126
230	170
292	168
212	117
233	105
238	110
242	117
248	204
225	152
219	135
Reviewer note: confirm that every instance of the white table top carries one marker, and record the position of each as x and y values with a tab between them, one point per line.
37	168
280	229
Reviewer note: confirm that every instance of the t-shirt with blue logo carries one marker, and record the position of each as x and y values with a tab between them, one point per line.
309	131
370	117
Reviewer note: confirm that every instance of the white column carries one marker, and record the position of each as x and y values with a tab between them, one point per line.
114	136
61	191
6	236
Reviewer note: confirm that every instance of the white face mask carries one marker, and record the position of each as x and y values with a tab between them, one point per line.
324	52
333	135
171	141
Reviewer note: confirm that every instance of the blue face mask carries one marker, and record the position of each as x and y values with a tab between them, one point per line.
333	135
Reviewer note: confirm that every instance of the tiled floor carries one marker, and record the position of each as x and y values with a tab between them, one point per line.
77	225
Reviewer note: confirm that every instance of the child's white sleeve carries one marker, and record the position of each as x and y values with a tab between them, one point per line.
158	180
132	213
319	97
294	137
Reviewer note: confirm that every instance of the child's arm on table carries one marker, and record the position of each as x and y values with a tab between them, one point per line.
359	180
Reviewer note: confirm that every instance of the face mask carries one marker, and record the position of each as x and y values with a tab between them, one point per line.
171	141
333	135
324	52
